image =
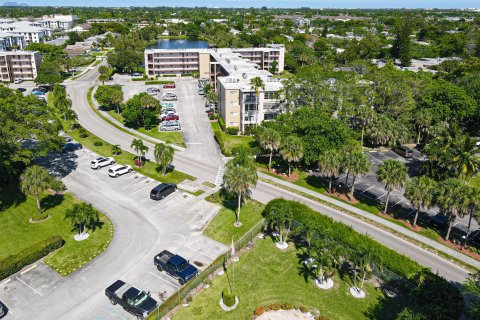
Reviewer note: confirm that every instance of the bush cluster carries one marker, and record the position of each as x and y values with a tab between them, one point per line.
159	82
98	143
232	131
16	262
277	306
221	123
228	298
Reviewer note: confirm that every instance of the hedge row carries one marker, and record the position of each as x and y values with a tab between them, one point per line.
390	259
219	138
221	123
159	82
17	262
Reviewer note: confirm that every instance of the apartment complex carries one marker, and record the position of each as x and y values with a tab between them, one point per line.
230	72
27	31
19	65
56	21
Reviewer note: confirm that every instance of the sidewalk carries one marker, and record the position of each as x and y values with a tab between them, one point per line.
433	244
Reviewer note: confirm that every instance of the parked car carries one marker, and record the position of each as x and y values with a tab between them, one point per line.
71	146
167	112
45	88
201	91
170	126
133	300
41	98
119	170
101	162
175	266
18	81
162	190
3	310
167	105
38	92
21	89
136	74
152	93
152	89
169	86
170	117
405	152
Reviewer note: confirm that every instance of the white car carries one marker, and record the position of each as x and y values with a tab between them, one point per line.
119	170
18	80
101	162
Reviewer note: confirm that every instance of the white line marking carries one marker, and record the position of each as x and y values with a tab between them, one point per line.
203	254
140	189
5	282
367	189
398	202
194	143
381	196
21	281
31	268
155	275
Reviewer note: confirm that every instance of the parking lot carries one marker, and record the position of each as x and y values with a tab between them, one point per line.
369	188
143	228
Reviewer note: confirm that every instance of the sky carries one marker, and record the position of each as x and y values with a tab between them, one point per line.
266	3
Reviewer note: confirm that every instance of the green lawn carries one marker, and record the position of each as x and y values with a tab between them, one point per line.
231	142
266	275
169	137
17	233
149	169
221	227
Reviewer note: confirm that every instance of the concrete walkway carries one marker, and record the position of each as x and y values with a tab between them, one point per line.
413	235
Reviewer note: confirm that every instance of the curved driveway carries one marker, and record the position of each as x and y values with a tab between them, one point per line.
207	171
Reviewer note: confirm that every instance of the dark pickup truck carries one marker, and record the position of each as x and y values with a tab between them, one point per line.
174	265
133	300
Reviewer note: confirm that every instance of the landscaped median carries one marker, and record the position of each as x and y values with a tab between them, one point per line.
229	143
26	242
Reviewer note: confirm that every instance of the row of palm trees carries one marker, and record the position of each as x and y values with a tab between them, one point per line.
162	153
62	103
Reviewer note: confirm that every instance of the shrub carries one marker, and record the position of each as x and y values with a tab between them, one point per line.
259	311
228	298
82	132
74	126
303	309
275	306
232	130
221	123
98	143
287	306
159	82
321	318
15	263
188	299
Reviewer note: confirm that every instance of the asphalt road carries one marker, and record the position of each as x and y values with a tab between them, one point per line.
205	170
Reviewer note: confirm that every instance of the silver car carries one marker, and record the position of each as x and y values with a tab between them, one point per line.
170	126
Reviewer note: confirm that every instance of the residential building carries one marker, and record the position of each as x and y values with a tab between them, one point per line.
19	65
26	29
56	21
230	72
76	50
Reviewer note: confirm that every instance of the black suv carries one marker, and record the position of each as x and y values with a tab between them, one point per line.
162	190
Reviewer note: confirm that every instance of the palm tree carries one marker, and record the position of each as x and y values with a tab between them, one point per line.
163	156
474	208
140	149
280	217
329	164
393	174
270	140
103	70
117	98
292	151
238	180
364	115
359	165
423	121
82	215
420	192
452	198
323	265
255	84
465	161
34	181
149	102
63	105
116	150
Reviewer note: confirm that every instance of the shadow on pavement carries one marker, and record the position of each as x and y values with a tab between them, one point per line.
59	164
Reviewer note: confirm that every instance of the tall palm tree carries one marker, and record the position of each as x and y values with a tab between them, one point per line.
34	181
117	98
292	151
103	70
393	174
465	161
420	191
140	149
452	198
82	215
163	156
238	180
270	140
64	105
359	165
149	102
329	163
255	84
280	217
473	210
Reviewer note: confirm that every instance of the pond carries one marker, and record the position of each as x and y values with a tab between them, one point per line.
179	44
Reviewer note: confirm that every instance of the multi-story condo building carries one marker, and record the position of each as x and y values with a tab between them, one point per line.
27	30
230	71
57	21
10	40
19	65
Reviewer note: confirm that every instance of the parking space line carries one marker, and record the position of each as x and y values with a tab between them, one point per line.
31	268
156	275
23	282
367	189
398	202
5	282
203	254
148	185
381	196
374	159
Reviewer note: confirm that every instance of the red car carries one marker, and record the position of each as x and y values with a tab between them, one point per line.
170	117
169	86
